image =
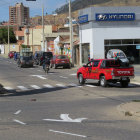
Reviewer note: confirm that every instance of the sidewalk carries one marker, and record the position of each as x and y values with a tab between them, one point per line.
130	109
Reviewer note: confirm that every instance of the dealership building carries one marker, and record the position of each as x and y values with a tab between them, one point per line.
105	28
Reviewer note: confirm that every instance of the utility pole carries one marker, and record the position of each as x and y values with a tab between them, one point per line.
80	45
71	38
43	43
8	38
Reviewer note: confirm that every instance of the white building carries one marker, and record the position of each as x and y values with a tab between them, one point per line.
104	28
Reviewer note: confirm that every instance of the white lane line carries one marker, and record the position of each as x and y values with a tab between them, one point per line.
39	76
74	85
63	77
135	83
61	85
67	133
39	70
80	86
19	122
91	86
48	86
73	74
35	86
8	88
22	88
16	113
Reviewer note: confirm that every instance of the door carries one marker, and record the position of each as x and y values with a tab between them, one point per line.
95	70
88	70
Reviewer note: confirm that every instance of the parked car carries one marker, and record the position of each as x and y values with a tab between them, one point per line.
11	54
60	60
40	55
25	59
106	70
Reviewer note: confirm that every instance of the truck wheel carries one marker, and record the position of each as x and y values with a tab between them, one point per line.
124	83
103	81
81	79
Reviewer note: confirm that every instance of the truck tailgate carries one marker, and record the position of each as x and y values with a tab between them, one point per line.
124	71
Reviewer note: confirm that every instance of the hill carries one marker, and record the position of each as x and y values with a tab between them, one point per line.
62	12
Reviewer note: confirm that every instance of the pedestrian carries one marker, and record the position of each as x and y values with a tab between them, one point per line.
15	56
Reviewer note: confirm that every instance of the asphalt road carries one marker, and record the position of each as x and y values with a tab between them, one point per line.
38	105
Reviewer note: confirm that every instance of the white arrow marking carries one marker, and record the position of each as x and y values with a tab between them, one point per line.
16	113
67	133
66	118
19	122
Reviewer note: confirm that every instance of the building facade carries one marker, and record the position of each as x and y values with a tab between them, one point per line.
104	28
19	14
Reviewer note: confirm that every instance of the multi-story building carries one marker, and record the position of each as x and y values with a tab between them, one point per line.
19	14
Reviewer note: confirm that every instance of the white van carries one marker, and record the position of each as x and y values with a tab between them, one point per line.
116	53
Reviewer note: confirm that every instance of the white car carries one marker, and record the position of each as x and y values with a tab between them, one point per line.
116	53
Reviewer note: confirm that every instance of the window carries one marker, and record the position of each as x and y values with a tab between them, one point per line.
90	64
112	63
95	64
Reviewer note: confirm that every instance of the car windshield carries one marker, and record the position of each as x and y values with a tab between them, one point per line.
26	54
62	57
120	55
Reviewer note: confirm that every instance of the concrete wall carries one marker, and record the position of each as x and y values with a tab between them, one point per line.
13	47
37	35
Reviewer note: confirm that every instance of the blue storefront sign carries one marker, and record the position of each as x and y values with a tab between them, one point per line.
115	16
83	19
138	47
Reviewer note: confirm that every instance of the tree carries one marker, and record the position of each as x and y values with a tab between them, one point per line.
4	36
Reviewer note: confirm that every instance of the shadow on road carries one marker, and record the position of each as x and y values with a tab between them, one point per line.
34	91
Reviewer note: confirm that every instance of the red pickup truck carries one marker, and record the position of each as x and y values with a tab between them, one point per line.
106	70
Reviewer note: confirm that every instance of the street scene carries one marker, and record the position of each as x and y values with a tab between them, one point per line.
71	72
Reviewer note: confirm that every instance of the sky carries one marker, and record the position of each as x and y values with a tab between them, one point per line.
35	7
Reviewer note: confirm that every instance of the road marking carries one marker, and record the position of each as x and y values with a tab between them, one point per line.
63	77
22	88
16	113
91	86
48	86
61	85
39	76
35	86
74	85
135	83
67	133
8	88
66	118
39	70
19	122
73	74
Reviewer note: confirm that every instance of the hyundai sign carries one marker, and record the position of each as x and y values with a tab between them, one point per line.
115	16
83	19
